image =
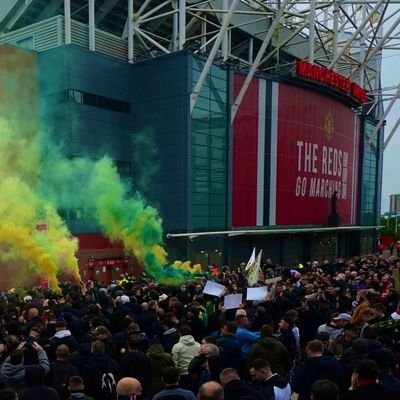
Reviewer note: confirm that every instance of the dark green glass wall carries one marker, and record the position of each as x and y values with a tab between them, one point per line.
369	177
209	150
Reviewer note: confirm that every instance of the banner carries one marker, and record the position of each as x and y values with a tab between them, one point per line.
254	270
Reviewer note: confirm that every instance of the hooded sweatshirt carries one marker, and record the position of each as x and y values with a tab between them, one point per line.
183	352
158	361
272	350
276	387
313	369
14	374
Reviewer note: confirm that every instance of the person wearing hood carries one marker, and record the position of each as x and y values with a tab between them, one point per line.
185	350
36	388
316	367
234	388
271	349
62	336
272	386
13	369
159	360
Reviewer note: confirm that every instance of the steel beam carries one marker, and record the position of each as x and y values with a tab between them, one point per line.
213	52
257	60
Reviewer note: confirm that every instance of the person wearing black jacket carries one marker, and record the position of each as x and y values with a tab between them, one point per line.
316	367
234	388
272	386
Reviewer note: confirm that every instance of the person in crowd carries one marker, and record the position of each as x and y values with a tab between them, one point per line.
324	389
272	386
211	391
245	337
60	372
364	385
272	350
13	370
230	346
335	327
316	367
35	386
135	363
234	388
343	342
184	351
62	336
76	389
128	389
159	360
170	377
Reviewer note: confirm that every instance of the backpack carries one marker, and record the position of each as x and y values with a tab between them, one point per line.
101	383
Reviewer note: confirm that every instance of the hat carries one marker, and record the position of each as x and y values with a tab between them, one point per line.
163	297
343	316
395	315
125	299
27	299
101	330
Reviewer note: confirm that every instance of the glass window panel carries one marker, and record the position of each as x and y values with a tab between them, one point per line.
201	175
199	186
200	222
200	198
216	187
219	154
201	151
199	113
217	199
200	210
199	162
200	139
217	211
216	141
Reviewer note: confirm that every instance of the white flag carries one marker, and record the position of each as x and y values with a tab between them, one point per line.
252	274
252	259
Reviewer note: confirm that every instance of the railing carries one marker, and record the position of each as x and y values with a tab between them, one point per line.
49	33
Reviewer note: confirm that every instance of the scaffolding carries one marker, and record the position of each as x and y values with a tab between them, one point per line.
350	37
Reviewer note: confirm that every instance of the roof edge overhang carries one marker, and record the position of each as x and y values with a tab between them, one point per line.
273	231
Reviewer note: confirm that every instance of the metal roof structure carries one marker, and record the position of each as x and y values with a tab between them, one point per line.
258	37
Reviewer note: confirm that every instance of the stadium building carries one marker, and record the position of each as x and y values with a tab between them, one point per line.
247	123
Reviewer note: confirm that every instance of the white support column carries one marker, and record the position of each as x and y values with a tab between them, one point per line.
257	60
251	50
92	25
224	47
175	26
182	23
67	21
362	45
354	35
311	36
213	52
335	29
376	48
203	34
392	132
130	31
385	114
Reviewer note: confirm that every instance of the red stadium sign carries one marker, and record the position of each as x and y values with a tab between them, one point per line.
330	78
316	144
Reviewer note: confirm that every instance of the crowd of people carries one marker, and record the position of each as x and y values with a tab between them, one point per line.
325	331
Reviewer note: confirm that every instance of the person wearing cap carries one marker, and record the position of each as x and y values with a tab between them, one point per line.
344	341
335	326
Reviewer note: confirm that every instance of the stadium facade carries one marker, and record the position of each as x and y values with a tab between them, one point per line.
244	123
